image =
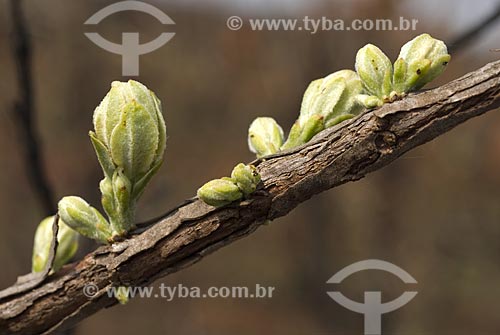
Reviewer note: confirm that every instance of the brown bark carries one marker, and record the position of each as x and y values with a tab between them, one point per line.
344	153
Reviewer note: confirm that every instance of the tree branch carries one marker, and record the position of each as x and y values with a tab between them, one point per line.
338	155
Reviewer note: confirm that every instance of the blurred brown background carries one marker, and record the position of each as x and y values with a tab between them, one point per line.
434	212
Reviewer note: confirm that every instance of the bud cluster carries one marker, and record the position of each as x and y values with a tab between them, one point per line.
419	62
129	140
220	192
344	94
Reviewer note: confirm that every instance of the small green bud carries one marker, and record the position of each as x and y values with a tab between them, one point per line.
219	192
85	219
107	198
122	189
375	70
369	101
122	294
265	136
121	218
420	61
246	177
129	130
67	240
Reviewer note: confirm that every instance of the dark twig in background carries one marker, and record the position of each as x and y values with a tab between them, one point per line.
465	38
24	113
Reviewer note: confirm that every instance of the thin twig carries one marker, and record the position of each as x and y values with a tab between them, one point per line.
465	38
24	110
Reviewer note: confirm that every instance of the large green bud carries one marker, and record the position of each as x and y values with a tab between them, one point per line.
375	70
420	61
332	98
67	245
326	102
129	131
129	140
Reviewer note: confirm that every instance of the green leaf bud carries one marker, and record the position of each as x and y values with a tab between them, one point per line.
219	192
85	219
375	70
129	130
107	198
326	102
347	106
419	62
265	136
122	294
67	246
336	97
246	177
122	216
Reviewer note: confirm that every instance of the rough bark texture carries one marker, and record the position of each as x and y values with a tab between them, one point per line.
344	153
